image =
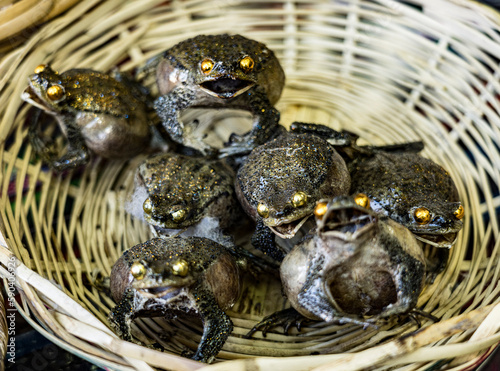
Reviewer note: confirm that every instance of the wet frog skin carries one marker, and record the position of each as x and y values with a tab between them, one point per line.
280	181
96	112
356	267
162	277
219	71
414	191
184	189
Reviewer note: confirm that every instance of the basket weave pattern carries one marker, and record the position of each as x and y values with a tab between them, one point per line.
388	71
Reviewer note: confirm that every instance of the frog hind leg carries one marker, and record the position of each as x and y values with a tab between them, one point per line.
334	137
120	318
264	239
217	326
287	318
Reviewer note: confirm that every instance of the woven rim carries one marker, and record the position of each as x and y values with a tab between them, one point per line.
389	71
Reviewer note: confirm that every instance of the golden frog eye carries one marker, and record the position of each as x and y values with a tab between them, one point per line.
320	209
459	213
180	268
40	68
362	200
138	271
206	66
55	92
422	215
147	206
246	64
263	210
179	215
299	199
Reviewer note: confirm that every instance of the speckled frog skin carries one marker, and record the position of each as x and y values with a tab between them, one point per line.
184	189
95	111
280	181
220	71
162	277
356	267
413	191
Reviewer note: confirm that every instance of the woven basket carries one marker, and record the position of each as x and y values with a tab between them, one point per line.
388	71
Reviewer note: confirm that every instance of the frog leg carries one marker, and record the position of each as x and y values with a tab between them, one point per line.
120	318
263	239
217	326
287	317
77	152
334	137
265	126
169	107
46	152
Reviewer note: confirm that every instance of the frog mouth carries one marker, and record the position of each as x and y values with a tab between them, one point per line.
160	292
445	240
346	223
28	95
288	230
225	87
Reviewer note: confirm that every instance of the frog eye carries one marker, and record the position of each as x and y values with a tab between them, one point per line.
206	66
179	215
246	64
147	206
320	209
138	270
299	199
459	213
55	92
422	215
40	68
263	210
362	200
180	268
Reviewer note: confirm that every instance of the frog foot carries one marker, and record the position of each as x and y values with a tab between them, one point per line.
287	318
72	159
415	313
236	146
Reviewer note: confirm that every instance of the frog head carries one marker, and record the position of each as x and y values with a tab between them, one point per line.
45	89
166	212
226	66
436	223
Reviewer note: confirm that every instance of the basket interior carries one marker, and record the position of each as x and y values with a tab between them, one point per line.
388	71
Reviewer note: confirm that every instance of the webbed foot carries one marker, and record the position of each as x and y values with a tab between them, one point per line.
72	159
286	318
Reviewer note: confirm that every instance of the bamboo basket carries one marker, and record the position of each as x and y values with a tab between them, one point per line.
389	71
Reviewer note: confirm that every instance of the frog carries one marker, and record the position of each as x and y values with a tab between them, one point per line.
95	111
183	189
414	191
219	72
356	267
169	276
280	181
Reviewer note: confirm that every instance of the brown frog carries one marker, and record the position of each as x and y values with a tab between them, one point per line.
280	182
356	267
414	191
95	111
184	189
219	71
167	276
